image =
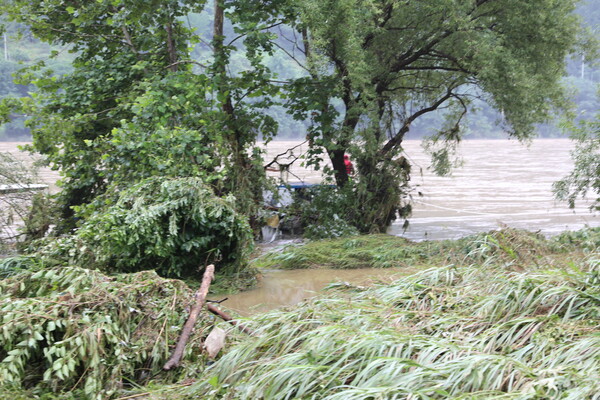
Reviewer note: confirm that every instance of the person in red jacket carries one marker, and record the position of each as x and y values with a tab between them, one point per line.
348	164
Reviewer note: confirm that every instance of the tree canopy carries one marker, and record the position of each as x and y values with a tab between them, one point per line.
376	67
142	102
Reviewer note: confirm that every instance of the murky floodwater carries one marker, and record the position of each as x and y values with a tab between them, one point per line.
501	183
280	288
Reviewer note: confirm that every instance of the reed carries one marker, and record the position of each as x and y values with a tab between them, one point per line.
455	332
511	248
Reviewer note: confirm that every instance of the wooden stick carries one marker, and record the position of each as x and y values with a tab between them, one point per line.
200	297
227	317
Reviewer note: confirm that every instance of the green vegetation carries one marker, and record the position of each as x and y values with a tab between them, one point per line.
80	334
173	226
584	180
133	107
517	318
156	141
489	329
520	249
383	80
141	102
454	332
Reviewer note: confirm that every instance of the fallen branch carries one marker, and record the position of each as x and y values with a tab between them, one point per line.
200	297
227	317
291	151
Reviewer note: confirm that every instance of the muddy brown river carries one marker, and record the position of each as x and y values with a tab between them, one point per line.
501	183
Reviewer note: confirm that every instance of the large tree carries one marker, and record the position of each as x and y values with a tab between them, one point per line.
119	45
376	66
136	105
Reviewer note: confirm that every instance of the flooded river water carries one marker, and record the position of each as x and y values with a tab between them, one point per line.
501	183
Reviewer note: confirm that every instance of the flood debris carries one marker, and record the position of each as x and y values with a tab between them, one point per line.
214	342
480	329
200	299
79	333
226	317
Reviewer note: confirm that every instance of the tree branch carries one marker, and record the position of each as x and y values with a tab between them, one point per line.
200	297
256	30
226	317
399	136
291	56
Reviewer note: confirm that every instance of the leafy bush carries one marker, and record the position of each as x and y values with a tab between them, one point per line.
173	226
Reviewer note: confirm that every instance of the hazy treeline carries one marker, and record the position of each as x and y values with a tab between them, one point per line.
21	49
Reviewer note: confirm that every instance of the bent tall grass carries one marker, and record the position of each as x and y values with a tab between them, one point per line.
474	332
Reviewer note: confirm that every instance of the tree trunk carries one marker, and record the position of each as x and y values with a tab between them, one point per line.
339	167
171	48
242	181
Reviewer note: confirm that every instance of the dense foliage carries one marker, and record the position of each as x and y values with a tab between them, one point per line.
133	106
377	67
174	226
140	99
24	49
156	143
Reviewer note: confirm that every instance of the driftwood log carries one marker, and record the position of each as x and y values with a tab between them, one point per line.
226	317
200	299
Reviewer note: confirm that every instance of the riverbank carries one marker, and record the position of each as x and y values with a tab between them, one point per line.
498	315
300	270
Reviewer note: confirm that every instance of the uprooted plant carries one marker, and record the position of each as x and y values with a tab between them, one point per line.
75	330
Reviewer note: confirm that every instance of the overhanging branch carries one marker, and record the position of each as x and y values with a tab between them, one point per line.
399	136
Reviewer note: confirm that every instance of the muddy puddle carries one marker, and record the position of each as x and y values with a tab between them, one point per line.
279	288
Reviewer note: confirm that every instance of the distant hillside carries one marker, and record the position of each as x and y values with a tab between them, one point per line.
20	49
